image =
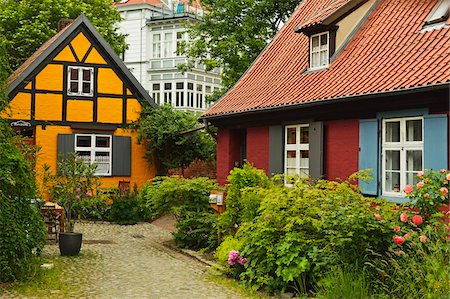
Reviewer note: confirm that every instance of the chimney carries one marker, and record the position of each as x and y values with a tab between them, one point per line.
63	23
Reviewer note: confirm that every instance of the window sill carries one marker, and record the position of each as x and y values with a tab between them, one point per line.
315	70
394	199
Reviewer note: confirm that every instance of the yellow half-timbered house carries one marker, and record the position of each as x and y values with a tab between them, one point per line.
74	94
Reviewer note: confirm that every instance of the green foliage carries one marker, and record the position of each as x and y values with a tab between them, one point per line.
188	199
125	207
239	208
74	180
22	232
229	243
161	129
233	33
27	24
93	208
431	192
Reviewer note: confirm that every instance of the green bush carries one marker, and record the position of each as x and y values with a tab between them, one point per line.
93	208
188	200
125	207
22	232
300	233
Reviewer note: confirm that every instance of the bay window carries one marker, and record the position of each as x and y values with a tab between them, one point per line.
402	153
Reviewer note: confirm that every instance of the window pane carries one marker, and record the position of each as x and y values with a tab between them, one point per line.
102	160
180	85
392	160
323	58
179	35
392	183
291	171
304	135
86	87
167	86
84	156
413	160
304	159
315	60
83	141
323	40
291	159
393	131
156	86
73	74
208	89
73	86
199	87
411	178
414	130
156	37
191	86
291	136
102	142
168	37
304	173
315	43
86	75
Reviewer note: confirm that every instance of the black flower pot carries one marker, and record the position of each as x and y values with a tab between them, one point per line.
70	243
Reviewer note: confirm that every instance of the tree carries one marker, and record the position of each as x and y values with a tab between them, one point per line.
233	33
163	131
27	24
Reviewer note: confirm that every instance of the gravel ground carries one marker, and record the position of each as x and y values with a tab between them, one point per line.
133	263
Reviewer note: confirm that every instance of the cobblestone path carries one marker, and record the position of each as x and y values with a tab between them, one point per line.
135	264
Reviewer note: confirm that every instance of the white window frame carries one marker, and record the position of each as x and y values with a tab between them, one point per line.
80	81
311	51
403	146
93	149
297	147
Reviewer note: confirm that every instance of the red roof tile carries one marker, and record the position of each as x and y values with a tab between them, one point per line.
321	15
390	52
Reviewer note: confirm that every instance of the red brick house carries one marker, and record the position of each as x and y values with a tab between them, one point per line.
345	85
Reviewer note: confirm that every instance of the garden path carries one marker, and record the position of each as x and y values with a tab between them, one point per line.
135	264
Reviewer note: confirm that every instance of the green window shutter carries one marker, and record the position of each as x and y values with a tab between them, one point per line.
121	155
276	145
316	150
66	144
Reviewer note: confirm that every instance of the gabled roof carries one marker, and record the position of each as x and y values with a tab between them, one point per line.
389	53
52	45
325	12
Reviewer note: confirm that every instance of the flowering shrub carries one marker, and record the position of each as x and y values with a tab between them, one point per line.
125	206
431	192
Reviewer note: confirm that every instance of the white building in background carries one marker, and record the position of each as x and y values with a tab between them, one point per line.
153	29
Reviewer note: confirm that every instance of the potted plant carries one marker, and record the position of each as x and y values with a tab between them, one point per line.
74	180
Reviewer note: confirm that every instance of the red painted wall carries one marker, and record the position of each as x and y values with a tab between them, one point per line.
341	148
228	146
258	147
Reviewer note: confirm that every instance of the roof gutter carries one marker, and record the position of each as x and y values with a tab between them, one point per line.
293	106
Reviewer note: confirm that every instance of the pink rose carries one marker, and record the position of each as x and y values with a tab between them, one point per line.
443	170
88	194
420	174
407	236
426	195
242	260
448	176
399	240
423	239
378	216
404	217
420	184
444	191
408	189
397	229
417	220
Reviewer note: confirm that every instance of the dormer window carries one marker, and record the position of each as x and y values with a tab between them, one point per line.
319	50
440	13
80	81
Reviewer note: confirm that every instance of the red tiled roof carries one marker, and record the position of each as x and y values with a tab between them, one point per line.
324	13
33	57
390	52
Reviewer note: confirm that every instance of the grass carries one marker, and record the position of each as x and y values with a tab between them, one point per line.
219	278
68	278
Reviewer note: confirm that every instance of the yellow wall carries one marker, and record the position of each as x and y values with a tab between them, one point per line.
19	107
50	78
109	82
109	110
133	110
80	111
48	107
350	22
141	170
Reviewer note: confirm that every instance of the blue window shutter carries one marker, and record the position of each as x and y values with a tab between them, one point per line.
435	141
121	155
368	154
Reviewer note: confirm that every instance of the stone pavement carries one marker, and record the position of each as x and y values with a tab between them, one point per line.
135	264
